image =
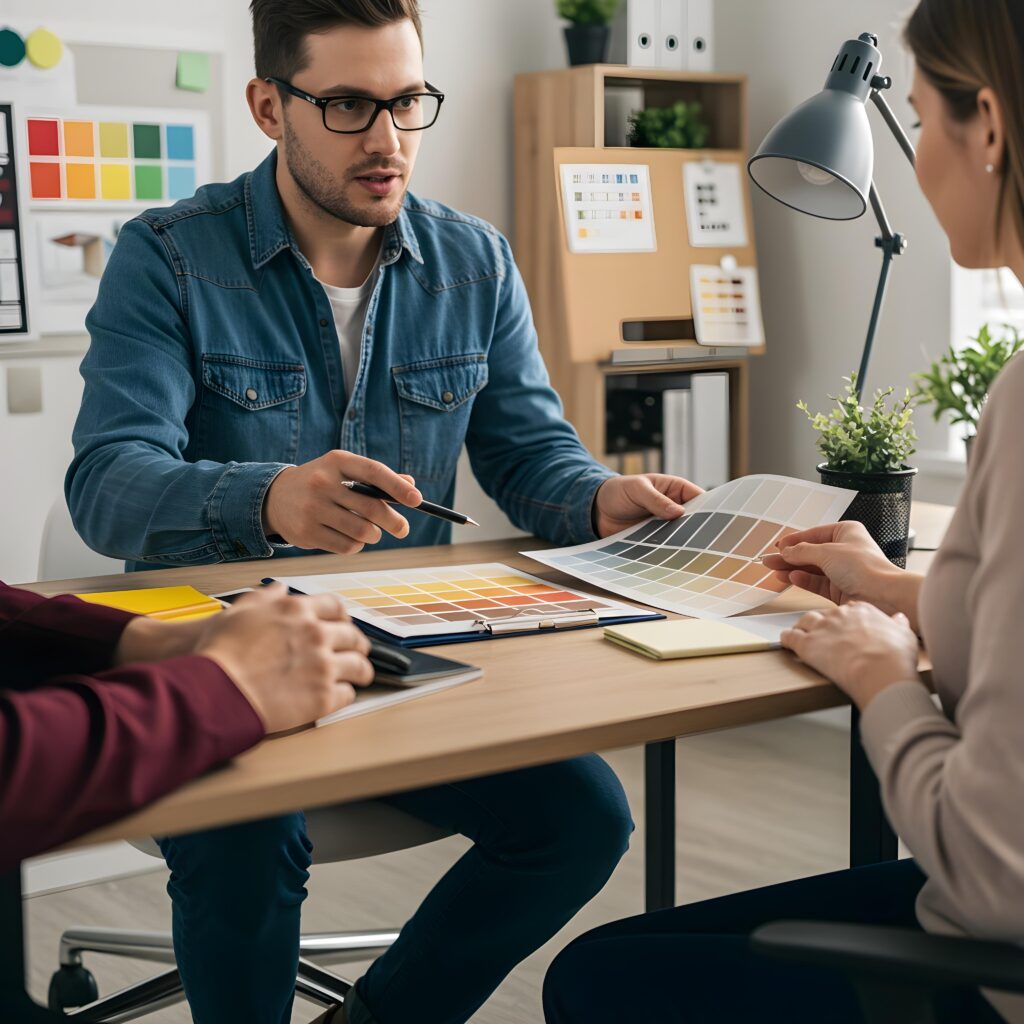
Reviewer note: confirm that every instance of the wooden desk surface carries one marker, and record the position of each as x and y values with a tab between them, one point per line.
540	700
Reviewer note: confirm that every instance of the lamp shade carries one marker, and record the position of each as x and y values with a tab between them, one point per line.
819	158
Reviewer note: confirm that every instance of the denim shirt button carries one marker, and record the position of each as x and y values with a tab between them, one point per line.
323	322
252	394
352	414
447	397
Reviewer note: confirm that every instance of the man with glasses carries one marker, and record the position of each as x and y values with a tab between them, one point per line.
314	322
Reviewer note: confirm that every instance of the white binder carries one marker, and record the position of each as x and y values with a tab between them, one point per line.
642	33
672	34
700	26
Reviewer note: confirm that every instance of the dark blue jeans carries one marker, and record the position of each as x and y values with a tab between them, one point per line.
693	964
545	842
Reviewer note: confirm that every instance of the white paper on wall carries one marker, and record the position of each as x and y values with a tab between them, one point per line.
715	213
726	305
608	208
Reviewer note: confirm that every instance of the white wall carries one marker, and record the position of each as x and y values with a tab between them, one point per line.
818	277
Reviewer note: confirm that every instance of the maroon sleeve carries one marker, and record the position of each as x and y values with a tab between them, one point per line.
42	637
82	751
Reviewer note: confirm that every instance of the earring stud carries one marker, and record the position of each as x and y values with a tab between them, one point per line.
990	168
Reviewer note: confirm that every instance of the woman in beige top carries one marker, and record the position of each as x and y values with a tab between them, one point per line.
952	778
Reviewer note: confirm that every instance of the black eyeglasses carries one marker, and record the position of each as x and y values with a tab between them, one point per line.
352	115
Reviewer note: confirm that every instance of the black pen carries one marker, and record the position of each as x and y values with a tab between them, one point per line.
383	656
439	511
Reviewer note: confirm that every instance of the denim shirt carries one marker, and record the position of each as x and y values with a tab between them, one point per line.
214	364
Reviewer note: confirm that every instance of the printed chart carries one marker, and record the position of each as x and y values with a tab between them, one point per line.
608	207
458	599
707	563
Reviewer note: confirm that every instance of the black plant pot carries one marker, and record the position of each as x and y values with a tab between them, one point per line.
882	505
587	44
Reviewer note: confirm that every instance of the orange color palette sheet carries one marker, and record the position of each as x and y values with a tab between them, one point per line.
707	563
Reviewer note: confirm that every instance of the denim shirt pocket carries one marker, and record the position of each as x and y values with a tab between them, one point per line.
249	409
435	397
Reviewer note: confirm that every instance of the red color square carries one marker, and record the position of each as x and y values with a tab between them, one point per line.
45	180
42	138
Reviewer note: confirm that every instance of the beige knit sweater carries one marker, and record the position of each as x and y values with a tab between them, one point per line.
953	780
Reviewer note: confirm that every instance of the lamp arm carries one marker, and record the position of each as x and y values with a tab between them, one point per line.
890	119
879	211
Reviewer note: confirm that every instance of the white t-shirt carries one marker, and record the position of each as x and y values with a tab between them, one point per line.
349	306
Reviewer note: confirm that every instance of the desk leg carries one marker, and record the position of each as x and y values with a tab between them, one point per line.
871	838
660	824
15	1004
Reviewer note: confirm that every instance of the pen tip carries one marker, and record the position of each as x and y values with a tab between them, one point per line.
471	522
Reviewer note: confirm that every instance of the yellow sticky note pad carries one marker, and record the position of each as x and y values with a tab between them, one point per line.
161	601
685	638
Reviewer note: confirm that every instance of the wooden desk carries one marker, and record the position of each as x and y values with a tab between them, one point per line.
541	699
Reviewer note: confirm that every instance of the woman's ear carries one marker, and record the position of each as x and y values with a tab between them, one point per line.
992	130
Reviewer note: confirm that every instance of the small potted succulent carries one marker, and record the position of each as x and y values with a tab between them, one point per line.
958	382
679	126
587	37
866	450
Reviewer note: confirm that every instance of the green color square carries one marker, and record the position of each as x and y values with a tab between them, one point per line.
149	182
193	72
147	141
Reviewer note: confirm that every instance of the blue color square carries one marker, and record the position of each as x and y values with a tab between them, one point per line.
634	179
181	182
180	144
618	179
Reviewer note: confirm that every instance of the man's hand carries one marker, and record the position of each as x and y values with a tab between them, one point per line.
308	507
623	501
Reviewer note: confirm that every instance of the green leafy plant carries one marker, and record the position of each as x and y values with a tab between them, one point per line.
958	382
679	126
588	12
855	439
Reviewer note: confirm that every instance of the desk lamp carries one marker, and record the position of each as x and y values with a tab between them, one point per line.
819	158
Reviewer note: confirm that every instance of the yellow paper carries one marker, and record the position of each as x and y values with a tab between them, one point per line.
685	638
163	601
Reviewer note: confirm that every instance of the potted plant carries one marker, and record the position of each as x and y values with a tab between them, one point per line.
679	126
587	37
958	382
866	450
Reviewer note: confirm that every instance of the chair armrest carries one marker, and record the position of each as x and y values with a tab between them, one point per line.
895	954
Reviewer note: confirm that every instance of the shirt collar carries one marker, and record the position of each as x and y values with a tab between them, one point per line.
269	234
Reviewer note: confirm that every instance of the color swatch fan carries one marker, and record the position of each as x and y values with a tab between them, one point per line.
707	563
419	607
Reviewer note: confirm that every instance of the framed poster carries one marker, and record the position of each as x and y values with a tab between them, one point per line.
13	302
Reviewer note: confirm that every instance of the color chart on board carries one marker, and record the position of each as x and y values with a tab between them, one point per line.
708	562
461	599
112	160
726	305
608	207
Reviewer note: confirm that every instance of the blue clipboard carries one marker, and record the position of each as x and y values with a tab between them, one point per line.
496	629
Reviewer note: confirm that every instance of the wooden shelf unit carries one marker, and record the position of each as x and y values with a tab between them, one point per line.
568	108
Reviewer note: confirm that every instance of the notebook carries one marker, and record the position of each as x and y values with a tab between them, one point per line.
167	603
427	674
698	638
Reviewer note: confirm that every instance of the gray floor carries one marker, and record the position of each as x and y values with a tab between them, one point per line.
756	805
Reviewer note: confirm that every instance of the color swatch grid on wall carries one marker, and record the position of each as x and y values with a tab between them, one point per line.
608	208
456	599
707	563
131	160
726	305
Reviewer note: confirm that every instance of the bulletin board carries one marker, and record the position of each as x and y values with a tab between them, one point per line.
629	280
102	136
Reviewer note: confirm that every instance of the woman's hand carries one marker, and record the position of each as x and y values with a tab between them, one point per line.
860	648
842	563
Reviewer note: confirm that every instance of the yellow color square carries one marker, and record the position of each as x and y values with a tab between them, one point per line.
396	590
435	588
351	594
113	139
115	182
410	600
81	180
510	581
78	139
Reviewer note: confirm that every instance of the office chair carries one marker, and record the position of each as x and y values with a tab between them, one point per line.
347	832
896	971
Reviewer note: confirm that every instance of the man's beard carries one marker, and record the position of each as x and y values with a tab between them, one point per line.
317	184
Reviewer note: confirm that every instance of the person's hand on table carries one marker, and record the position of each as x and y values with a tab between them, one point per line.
860	648
841	563
294	658
623	501
307	505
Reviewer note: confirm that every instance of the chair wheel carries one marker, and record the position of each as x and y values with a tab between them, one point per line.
71	987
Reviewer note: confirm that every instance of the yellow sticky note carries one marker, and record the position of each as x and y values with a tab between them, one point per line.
158	601
115	181
81	181
43	48
113	139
